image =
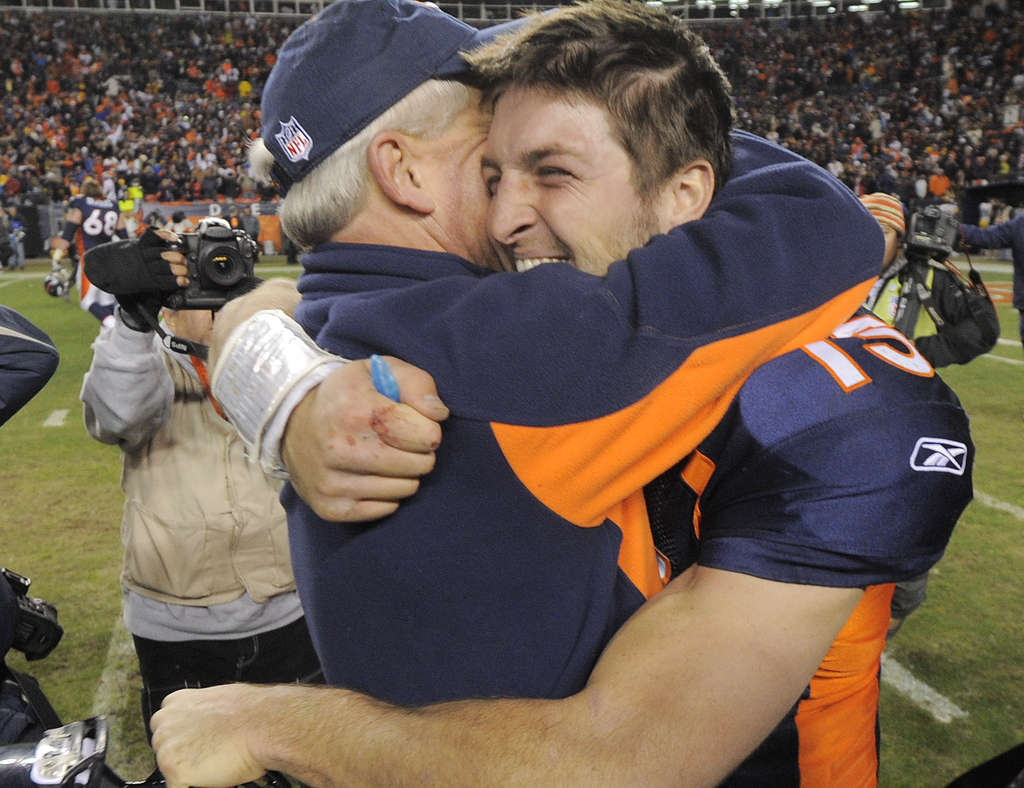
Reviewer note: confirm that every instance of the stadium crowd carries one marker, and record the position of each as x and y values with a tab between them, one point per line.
920	105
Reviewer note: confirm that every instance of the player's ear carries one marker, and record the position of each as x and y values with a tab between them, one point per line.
394	167
687	194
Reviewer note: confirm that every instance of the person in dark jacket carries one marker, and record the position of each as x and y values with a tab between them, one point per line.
28	359
1006	235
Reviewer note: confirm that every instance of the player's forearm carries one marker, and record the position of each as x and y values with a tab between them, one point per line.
336	737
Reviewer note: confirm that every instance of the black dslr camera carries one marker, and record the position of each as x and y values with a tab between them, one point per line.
36	631
931	235
220	262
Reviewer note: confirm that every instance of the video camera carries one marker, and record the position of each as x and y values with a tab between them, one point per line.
36	631
220	262
931	235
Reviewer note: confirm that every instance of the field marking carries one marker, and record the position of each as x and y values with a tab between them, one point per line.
1004	359
112	685
1002	506
919	693
57	418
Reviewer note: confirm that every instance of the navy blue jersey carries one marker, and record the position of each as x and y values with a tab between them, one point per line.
844	464
99	220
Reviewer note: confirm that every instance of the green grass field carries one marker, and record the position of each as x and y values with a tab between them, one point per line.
61	503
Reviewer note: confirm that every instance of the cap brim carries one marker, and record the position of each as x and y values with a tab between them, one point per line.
456	66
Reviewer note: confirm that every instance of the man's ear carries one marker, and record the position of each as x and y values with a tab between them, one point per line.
394	167
687	194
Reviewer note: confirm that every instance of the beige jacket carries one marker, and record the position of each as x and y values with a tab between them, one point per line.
201	523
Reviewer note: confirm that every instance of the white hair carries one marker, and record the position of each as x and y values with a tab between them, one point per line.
325	201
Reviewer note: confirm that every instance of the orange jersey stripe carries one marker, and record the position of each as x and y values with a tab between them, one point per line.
582	470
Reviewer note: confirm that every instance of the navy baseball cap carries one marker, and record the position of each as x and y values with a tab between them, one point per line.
344	67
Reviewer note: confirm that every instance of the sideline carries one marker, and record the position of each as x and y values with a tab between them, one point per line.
919	693
107	700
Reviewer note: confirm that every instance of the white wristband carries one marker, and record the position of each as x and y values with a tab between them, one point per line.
264	358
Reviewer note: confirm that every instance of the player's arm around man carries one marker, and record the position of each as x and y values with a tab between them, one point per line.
631	725
377	449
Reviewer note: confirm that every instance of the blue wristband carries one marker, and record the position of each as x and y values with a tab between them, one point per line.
383	378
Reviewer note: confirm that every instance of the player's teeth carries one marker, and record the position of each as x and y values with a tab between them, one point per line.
525	264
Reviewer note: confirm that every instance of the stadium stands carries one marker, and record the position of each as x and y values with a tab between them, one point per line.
923	104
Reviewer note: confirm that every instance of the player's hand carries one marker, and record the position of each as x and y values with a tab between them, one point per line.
352	453
200	736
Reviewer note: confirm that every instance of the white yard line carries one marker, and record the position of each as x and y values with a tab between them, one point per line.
57	418
912	688
1004	359
112	687
919	693
1002	506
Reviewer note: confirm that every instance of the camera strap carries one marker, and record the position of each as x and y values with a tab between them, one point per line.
924	297
199	364
197	353
34	697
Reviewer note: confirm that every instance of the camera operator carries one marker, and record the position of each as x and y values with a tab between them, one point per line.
28	360
209	595
950	322
949	315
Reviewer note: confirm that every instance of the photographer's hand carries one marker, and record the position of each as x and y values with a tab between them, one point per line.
176	260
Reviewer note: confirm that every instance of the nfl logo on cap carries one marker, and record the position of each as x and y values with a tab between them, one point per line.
294	140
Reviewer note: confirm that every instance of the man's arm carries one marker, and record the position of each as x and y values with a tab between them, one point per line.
362	452
683	693
61	243
127	392
28	360
1004	235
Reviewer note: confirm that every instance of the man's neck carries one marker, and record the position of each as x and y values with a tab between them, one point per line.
390	226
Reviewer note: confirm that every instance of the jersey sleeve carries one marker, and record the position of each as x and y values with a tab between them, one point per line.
859	497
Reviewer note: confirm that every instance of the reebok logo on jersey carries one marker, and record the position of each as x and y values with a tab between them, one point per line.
939	454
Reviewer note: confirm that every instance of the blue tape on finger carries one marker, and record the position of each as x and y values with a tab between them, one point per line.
383	378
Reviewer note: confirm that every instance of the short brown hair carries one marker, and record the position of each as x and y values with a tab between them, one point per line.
668	99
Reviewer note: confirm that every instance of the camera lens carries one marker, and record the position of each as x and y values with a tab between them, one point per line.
223	266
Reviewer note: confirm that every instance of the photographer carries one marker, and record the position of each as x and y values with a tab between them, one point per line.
950	318
949	315
209	595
